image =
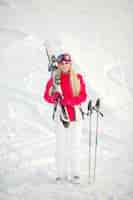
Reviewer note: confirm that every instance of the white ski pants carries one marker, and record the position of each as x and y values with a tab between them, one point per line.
68	149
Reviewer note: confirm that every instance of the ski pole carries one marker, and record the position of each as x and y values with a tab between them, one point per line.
95	162
90	135
96	108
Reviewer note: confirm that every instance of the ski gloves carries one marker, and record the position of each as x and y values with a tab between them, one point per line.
57	96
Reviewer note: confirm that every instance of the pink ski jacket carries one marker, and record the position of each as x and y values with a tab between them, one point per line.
69	100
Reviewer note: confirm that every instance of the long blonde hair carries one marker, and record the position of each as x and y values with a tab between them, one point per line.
75	82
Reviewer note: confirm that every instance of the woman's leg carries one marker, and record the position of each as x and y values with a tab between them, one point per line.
75	140
61	152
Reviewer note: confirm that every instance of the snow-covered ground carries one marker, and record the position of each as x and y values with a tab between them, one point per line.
98	34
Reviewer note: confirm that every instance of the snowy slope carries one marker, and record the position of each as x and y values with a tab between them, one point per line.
98	35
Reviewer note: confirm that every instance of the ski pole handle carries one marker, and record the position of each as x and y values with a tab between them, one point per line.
98	111
97	103
89	107
97	107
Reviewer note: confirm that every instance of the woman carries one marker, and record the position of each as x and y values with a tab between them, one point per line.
69	88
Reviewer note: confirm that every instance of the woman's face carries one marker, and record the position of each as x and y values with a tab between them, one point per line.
65	68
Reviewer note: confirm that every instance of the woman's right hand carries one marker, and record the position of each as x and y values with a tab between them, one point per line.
56	95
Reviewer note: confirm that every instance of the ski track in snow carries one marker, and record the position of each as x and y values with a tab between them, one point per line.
27	138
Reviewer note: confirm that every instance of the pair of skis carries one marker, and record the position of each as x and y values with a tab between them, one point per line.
89	113
52	67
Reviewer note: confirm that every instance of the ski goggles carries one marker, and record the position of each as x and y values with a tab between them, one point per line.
64	59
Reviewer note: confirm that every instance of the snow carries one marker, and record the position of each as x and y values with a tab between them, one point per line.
98	35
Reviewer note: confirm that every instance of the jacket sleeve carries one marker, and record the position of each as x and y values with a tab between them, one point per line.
46	96
76	100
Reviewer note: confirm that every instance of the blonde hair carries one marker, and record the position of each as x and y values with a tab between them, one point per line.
75	82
